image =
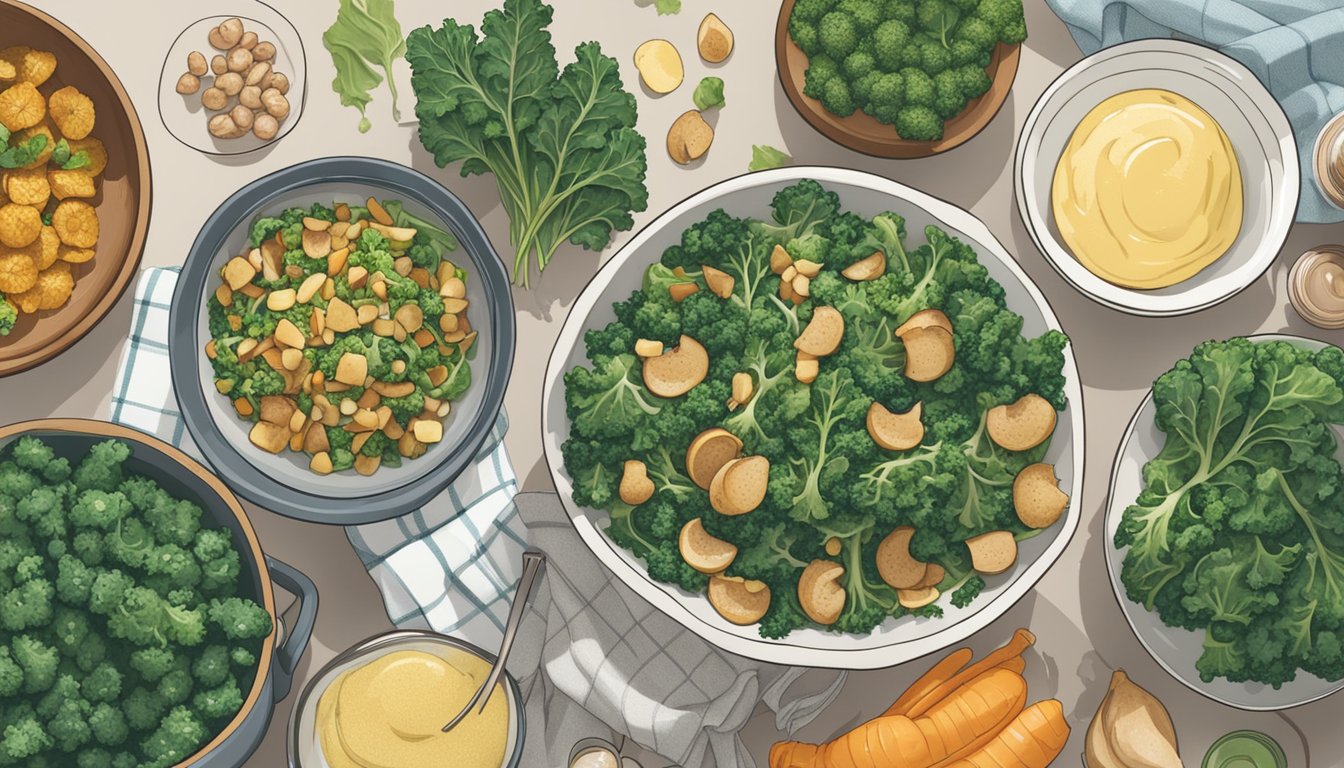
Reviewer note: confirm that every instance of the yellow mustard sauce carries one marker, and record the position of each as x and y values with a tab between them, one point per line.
389	714
1148	190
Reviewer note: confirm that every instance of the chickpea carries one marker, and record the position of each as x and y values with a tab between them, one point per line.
230	83
219	65
216	39
231	32
188	83
223	127
248	40
214	98
196	63
279	82
265	127
240	60
258	74
275	103
264	51
250	97
241	116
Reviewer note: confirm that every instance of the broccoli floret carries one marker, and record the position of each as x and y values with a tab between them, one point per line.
240	619
8	315
143	709
15	482
948	98
821	69
102	684
264	228
890	40
918	88
837	99
175	687
32	454
107	590
99	510
812	10
24	739
858	64
837	35
219	560
38	662
108	725
968	591
153	663
176	738
11	675
222	701
887	97
174	563
74	581
69	726
919	123
212	666
102	468
1006	17
27	606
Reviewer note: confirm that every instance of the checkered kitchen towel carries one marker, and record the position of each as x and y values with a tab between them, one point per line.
592	658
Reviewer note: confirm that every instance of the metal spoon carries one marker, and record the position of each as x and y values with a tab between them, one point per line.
532	562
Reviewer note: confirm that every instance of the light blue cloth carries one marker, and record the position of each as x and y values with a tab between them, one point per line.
1295	47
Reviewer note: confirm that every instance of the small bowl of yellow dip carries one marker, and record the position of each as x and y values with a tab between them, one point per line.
1158	177
383	704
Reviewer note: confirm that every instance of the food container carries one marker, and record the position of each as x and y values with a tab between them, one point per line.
1253	121
123	201
182	476
897	640
1316	286
283	483
305	750
1245	749
1328	161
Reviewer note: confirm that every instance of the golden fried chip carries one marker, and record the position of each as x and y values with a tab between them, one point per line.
18	273
76	223
8	72
27	187
43	128
48	247
71	184
95	150
20	224
21	106
73	255
30	66
54	286
72	112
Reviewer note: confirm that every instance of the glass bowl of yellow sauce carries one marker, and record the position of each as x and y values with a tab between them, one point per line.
1158	177
384	702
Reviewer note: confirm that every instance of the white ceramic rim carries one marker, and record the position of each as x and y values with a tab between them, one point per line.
1286	187
745	641
1111	522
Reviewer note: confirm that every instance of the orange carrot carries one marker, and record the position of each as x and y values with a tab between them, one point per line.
959	725
1015	664
1033	740
930	680
1022	639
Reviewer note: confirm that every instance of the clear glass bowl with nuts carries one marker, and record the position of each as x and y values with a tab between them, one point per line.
233	84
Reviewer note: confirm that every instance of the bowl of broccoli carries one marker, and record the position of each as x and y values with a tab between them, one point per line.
816	480
137	621
898	79
341	380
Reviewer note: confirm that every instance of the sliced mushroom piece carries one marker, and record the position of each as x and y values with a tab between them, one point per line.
238	272
913	599
269	437
925	318
780	260
867	268
720	283
703	552
677	370
1036	496
315	441
896	431
929	353
636	487
934	576
820	593
993	552
739	486
823	333
895	564
708	452
316	245
277	410
341	317
738	600
806	368
1022	425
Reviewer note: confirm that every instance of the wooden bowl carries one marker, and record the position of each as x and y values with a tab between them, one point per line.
123	199
861	132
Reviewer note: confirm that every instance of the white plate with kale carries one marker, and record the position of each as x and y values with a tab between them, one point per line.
761	410
1225	523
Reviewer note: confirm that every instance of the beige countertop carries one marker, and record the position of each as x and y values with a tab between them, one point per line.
1081	632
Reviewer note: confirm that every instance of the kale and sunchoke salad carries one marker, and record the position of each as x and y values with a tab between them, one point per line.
343	333
1239	529
128	634
816	421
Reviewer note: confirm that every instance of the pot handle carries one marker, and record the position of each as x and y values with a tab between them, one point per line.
296	637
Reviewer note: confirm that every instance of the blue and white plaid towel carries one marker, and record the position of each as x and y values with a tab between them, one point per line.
592	658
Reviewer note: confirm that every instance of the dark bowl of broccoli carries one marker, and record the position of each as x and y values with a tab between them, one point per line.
284	482
898	79
137	621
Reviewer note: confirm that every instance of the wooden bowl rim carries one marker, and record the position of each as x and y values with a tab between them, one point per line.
963	127
110	430
130	264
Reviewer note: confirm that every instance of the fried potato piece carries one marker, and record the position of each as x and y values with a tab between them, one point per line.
8	72
97	155
43	128
21	224
71	184
76	223
43	251
73	255
30	66
18	272
72	112
27	187
52	289
21	106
